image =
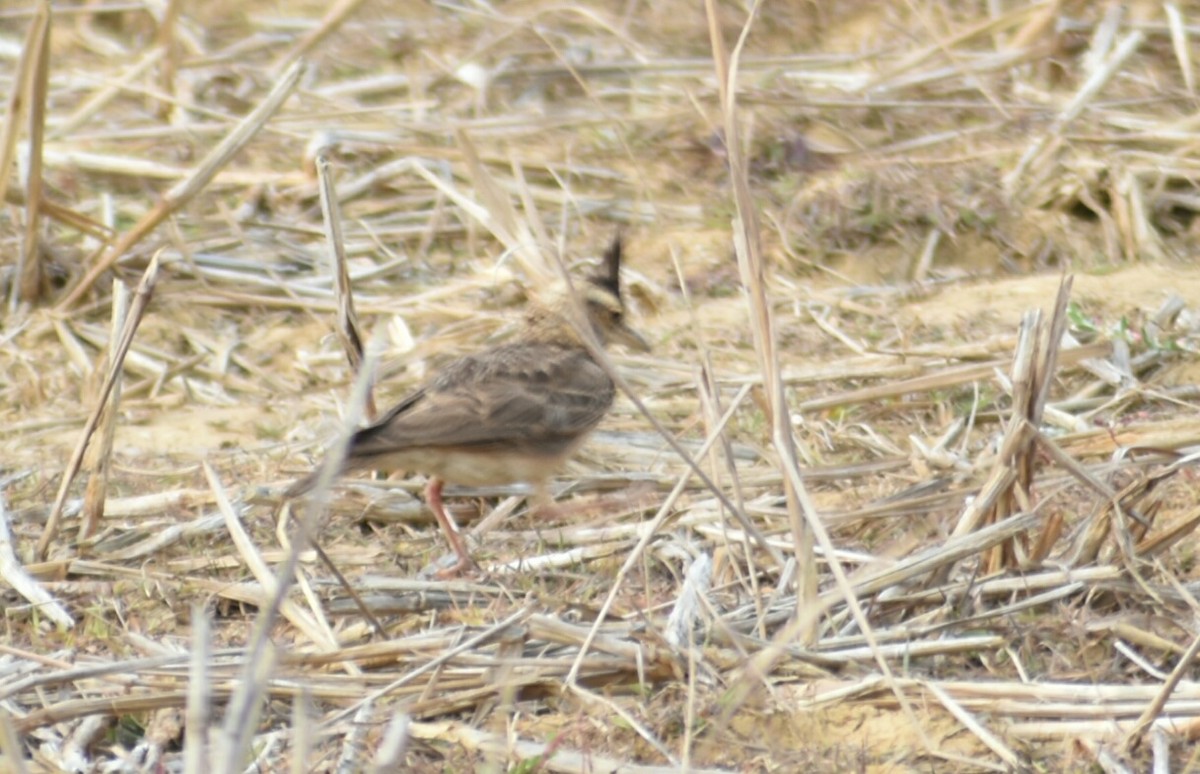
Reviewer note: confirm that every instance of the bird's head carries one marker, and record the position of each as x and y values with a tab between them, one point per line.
601	303
604	305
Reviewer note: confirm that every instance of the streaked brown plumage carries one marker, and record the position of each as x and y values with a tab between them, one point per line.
511	414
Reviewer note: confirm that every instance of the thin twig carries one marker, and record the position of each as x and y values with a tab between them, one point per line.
15	575
141	302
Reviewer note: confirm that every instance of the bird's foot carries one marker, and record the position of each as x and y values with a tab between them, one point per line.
449	567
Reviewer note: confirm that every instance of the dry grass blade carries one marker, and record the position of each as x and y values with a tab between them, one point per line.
605	704
74	709
31	281
249	694
1011	760
938	558
354	749
802	516
1110	520
1160	743
199	696
167	42
1048	142
350	590
751	268
1047	365
664	510
141	301
101	450
311	625
347	320
337	14
301	731
12	753
15	575
1184	527
941	379
502	220
61	214
105	95
1155	708
682	620
959	67
1016	450
33	55
485	636
232	745
391	748
992	25
1179	41
183	191
1010	484
804	520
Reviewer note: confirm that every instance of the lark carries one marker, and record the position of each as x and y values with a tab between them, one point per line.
512	414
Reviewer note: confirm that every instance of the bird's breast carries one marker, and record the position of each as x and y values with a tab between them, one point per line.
480	467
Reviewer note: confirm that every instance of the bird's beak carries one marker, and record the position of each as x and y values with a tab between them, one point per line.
623	334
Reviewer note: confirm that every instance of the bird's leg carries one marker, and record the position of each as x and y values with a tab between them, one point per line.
541	504
433	496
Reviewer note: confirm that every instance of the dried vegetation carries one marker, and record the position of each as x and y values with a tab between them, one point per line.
950	509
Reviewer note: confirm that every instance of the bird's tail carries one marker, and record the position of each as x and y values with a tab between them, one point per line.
355	460
303	485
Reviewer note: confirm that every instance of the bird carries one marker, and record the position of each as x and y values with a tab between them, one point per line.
511	414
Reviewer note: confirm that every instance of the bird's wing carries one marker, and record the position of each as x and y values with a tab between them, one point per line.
520	397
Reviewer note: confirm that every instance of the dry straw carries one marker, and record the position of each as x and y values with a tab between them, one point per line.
907	481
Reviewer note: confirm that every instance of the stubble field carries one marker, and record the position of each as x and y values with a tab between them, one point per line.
918	279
